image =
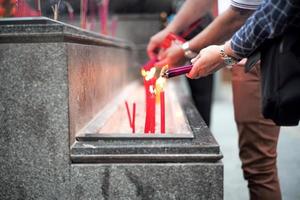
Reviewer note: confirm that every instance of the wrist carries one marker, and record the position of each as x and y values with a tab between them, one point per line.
229	51
172	29
188	53
227	56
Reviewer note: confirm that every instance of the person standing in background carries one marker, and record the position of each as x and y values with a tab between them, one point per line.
201	89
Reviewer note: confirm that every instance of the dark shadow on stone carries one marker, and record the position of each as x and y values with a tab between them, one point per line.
145	191
105	185
79	191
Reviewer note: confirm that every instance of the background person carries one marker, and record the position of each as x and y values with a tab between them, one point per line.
201	89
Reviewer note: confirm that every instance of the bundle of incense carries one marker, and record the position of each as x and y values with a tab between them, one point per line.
177	71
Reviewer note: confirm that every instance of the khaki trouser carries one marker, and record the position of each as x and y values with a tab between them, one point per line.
258	137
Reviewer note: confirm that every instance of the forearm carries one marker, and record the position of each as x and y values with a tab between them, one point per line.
221	29
184	18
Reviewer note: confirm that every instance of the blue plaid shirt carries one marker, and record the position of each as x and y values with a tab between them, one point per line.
270	19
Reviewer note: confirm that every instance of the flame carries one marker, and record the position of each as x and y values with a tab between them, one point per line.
160	84
151	89
148	74
164	69
144	72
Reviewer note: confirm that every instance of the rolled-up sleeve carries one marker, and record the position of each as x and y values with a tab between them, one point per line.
270	20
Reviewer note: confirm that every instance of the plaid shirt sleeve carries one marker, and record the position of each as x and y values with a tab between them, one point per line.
270	19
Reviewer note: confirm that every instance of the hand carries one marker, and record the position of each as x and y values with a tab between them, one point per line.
206	62
155	42
171	56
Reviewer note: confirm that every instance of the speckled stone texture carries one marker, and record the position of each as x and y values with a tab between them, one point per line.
34	136
190	181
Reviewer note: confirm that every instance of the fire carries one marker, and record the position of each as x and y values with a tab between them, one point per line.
163	70
144	72
160	84
161	81
151	89
148	74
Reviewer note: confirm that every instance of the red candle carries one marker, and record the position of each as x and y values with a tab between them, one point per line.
160	88
152	105
147	95
162	112
149	83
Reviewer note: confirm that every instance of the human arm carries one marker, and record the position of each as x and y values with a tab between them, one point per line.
190	11
218	31
271	19
209	60
250	36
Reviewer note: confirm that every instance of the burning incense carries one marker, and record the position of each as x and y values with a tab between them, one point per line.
176	71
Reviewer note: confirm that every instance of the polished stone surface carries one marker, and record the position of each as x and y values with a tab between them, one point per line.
34	121
96	76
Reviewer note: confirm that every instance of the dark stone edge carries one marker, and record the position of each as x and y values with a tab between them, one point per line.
44	30
60	37
96	136
146	158
82	148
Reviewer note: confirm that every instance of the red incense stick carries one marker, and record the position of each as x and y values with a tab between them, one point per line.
128	113
133	118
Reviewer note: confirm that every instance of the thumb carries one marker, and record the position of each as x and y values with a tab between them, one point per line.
151	48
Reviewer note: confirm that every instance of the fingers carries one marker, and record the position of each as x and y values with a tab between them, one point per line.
162	63
151	48
196	58
162	57
162	54
196	71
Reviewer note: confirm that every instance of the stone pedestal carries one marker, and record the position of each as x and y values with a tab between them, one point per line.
56	80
